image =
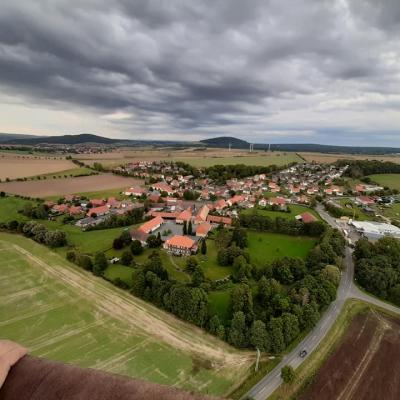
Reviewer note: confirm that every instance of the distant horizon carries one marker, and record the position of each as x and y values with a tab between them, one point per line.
189	141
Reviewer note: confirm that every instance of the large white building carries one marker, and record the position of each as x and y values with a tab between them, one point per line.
376	230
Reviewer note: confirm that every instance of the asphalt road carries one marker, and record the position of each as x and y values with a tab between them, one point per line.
267	385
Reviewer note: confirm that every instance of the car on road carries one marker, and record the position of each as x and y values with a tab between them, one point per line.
303	353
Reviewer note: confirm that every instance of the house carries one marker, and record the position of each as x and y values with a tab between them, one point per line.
98	211
163	187
277	201
97	202
184	216
263	203
112	202
180	245
60	208
235	200
365	200
220	204
203	229
75	210
152	225
306	217
202	215
135	191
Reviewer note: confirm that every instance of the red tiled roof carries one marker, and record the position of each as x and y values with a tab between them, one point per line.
185	215
98	210
308	217
203	228
75	210
180	241
97	202
202	214
164	214
216	219
152	224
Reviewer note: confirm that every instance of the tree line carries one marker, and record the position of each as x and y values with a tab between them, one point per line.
281	225
360	168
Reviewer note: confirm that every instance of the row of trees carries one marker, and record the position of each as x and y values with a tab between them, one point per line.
281	225
37	232
360	168
377	267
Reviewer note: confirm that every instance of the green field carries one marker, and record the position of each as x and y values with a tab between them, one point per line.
9	207
295	209
392	212
66	314
264	247
262	160
391	181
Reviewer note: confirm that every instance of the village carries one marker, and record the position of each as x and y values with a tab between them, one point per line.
181	210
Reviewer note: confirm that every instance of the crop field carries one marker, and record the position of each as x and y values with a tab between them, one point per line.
195	157
392	181
364	365
325	158
14	166
60	187
265	246
294	210
66	314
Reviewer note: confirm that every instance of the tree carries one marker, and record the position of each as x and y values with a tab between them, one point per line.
288	374
100	264
242	300
259	337
238	330
152	241
190	229
85	262
126	258
184	229
136	248
197	276
239	237
118	244
191	263
290	327
275	329
203	248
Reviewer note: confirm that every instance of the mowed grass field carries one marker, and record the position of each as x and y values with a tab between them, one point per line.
264	246
66	314
392	181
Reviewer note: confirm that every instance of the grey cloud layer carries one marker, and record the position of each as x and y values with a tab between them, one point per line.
204	66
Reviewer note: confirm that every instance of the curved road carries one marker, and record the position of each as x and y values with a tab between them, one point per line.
267	385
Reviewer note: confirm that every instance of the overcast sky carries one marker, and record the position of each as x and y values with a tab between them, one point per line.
310	71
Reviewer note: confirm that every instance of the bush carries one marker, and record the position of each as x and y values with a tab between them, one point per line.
287	374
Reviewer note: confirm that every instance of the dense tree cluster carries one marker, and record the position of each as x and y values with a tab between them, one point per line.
377	267
41	234
35	212
360	168
281	225
222	173
151	282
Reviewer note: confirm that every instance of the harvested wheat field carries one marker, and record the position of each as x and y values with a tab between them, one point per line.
366	364
193	156
64	313
14	166
324	158
58	187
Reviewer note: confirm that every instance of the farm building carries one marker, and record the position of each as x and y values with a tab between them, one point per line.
181	245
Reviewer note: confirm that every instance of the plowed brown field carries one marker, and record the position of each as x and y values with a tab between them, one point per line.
366	365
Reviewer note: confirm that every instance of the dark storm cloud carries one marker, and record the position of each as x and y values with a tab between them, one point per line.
200	65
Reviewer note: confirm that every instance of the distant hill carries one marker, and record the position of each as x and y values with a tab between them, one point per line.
64	139
6	137
224	141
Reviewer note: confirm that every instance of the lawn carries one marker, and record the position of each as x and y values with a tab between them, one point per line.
392	212
219	304
264	246
9	207
359	214
295	209
391	181
122	272
66	314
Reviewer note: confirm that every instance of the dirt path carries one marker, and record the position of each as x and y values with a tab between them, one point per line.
144	317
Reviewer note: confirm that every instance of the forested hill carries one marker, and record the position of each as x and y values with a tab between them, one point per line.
225	141
65	139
